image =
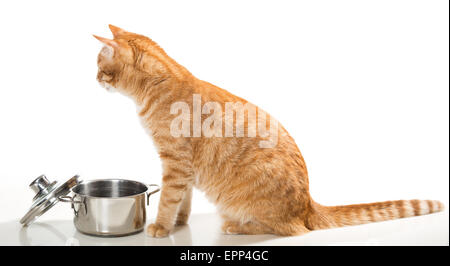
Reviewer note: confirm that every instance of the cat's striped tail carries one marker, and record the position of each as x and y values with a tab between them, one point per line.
336	216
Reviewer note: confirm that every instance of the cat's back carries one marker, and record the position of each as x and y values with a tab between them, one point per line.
218	159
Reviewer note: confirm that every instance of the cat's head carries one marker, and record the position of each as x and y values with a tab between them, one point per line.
125	59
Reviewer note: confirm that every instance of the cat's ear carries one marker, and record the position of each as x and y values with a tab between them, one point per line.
111	45
108	42
116	31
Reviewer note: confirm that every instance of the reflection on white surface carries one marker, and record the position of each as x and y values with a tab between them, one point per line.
204	229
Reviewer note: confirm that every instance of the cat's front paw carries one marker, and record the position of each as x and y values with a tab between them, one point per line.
157	230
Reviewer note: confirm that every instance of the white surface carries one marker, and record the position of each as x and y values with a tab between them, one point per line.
362	86
204	229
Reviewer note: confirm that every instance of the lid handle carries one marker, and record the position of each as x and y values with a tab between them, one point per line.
39	184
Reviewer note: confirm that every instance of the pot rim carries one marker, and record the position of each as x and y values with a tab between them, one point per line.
86	182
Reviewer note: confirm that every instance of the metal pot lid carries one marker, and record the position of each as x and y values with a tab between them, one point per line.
47	195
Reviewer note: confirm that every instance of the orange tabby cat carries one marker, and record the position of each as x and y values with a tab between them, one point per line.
257	189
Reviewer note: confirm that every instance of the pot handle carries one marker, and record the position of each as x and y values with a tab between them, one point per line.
68	199
72	202
152	192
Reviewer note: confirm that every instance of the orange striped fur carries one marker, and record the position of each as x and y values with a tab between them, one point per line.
336	216
256	190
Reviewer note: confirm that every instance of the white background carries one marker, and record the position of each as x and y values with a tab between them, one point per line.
362	86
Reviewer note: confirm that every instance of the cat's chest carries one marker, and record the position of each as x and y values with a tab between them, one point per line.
146	125
144	114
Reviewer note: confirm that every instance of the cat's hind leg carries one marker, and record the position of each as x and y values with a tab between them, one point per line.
248	228
289	229
255	228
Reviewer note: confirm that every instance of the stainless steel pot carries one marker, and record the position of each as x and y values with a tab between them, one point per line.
104	207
